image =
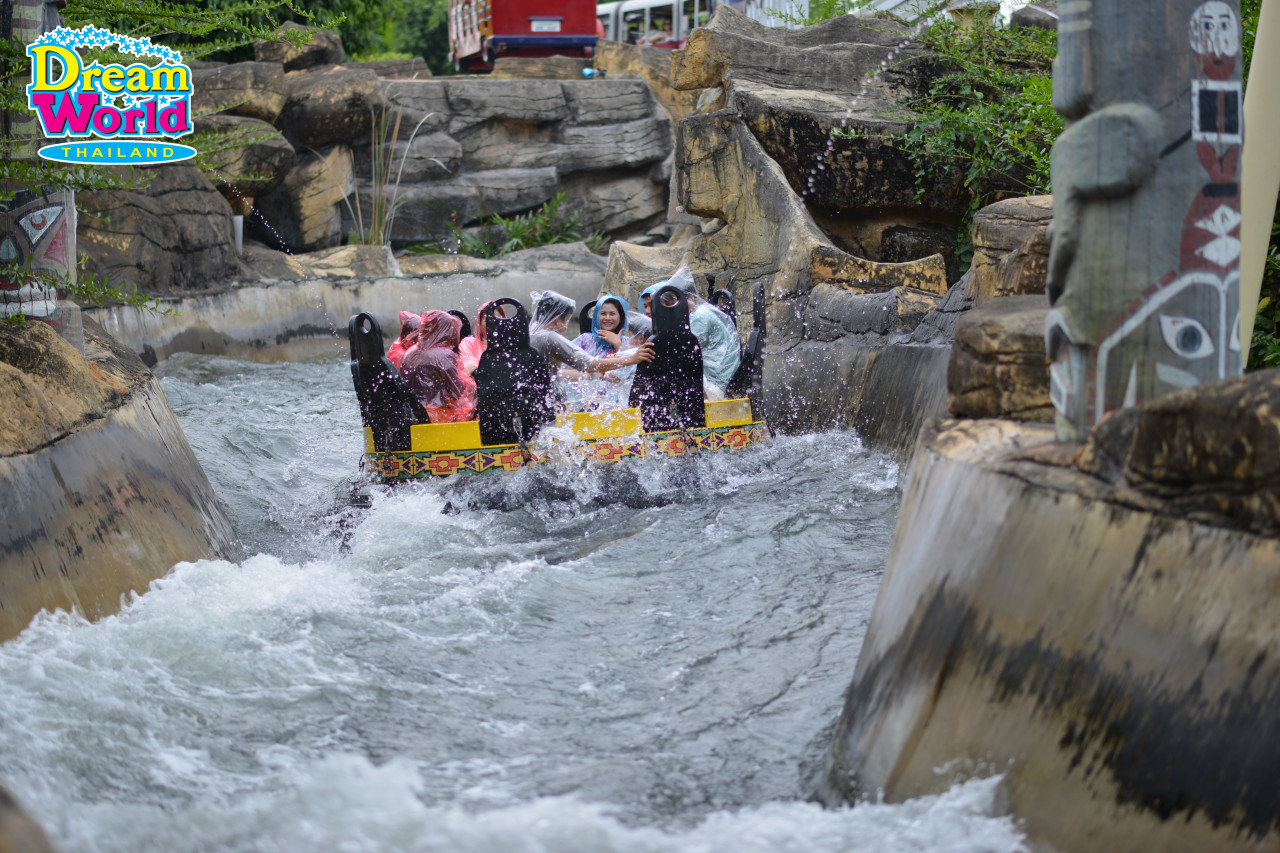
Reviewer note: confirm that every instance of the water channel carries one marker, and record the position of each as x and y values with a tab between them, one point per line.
642	657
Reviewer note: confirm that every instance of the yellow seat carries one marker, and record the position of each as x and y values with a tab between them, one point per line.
588	426
721	413
435	438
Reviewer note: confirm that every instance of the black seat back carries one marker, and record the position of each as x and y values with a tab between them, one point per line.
749	379
724	300
668	389
386	405
513	380
465	332
585	315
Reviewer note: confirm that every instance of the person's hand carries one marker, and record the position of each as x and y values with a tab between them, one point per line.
645	353
611	377
612	339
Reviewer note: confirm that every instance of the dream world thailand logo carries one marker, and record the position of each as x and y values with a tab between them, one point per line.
112	114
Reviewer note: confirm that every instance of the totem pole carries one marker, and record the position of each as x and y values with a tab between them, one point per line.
38	224
1144	260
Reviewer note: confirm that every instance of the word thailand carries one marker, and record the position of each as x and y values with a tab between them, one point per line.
74	98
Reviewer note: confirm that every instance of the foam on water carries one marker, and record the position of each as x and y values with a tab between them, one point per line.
641	657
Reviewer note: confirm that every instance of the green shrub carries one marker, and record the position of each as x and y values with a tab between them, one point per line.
991	115
499	235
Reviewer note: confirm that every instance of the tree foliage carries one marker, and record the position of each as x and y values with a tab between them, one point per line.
424	32
990	115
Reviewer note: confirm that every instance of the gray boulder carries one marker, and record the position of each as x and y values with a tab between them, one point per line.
474	101
397	69
425	157
302	214
607	101
175	235
331	105
1043	15
423	210
419	103
253	89
833	56
324	48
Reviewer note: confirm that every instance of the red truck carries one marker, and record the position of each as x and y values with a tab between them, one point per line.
482	30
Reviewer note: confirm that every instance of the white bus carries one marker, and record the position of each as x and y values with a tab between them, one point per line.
667	23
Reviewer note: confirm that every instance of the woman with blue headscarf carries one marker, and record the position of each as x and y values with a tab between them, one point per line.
608	327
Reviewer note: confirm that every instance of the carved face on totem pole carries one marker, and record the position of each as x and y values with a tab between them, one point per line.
37	226
1144	263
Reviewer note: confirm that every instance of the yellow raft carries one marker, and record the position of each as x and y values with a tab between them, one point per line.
439	450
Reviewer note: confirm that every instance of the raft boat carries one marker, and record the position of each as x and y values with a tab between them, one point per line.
401	444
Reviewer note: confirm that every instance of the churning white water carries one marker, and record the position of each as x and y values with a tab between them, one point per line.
636	658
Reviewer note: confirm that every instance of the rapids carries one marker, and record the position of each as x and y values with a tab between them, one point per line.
644	657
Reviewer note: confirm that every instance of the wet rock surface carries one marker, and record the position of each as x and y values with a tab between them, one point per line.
49	388
101	493
1086	619
998	367
1210	453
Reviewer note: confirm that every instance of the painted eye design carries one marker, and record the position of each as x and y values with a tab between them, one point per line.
1186	337
38	222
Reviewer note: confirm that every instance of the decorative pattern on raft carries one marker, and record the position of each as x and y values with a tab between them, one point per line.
437	452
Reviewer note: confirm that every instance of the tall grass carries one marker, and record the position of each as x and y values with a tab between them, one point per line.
384	201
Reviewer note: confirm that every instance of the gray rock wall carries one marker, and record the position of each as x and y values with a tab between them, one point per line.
108	506
448	151
1107	649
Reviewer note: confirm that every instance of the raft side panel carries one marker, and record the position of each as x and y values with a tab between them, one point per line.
397	466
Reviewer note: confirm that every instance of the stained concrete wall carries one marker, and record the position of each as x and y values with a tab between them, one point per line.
1116	658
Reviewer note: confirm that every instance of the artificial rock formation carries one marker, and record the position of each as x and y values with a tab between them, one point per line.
299	306
302	213
483	147
1011	247
330	105
252	89
323	48
175	234
450	152
998	367
255	161
101	493
855	262
1090	621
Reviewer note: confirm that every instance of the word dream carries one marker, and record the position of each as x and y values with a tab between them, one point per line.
75	99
